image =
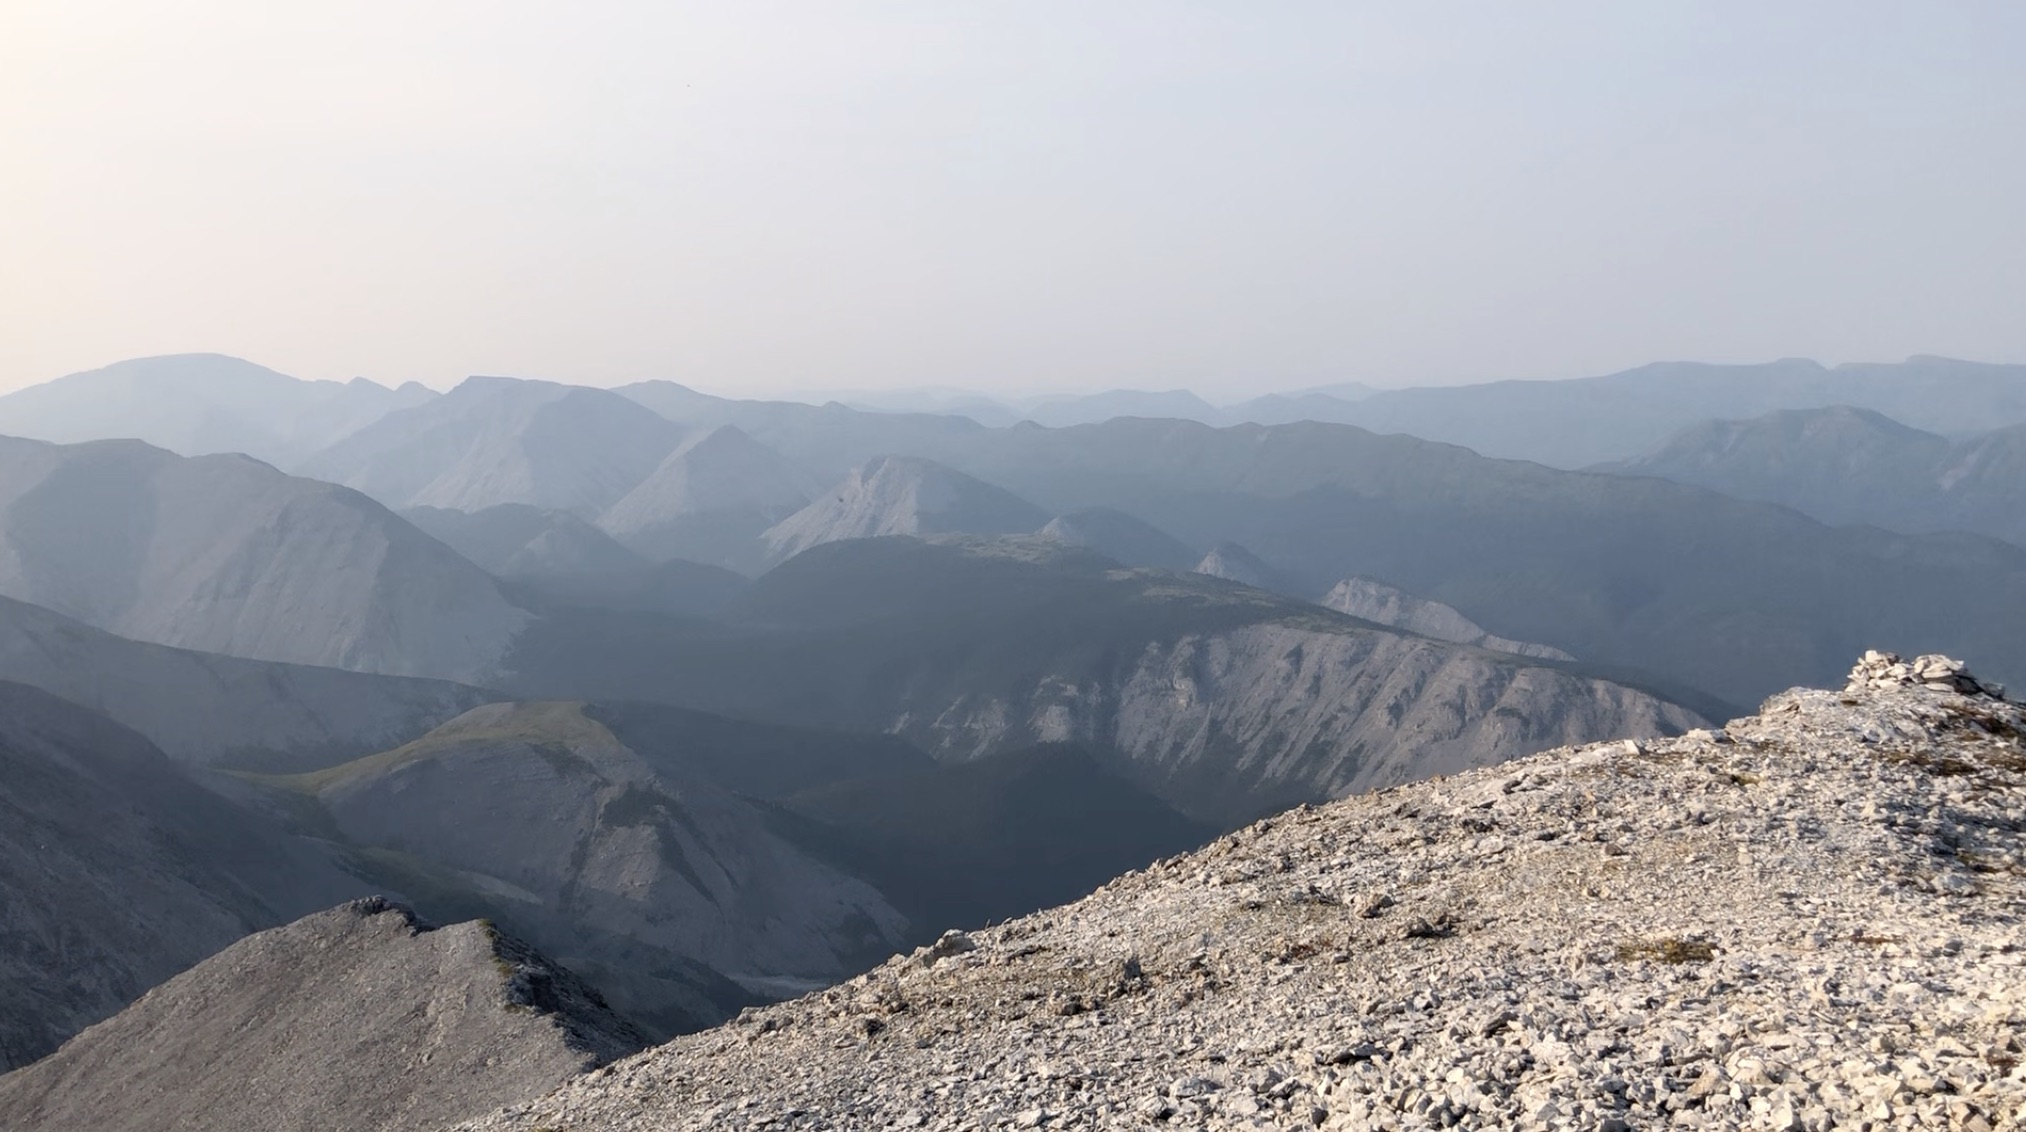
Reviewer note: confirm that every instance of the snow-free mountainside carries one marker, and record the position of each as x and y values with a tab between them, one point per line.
781	765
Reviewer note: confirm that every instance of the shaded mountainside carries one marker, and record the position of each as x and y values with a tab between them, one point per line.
202	404
626	862
975	842
225	554
358	1017
895	495
1807	920
1844	465
1225	700
208	710
118	872
1732	597
710	501
496	440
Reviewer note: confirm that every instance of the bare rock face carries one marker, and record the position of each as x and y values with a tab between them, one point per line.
1223	724
359	1017
1808	919
1372	600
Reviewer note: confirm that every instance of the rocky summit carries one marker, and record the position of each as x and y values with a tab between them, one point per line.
1809	919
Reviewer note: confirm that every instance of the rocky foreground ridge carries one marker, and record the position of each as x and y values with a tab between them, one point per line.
359	1017
1810	919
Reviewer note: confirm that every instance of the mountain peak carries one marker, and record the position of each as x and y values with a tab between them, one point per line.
903	495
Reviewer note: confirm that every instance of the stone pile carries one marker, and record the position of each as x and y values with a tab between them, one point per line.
1934	671
1812	919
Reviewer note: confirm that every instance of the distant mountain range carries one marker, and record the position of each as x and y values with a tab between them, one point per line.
202	404
715	701
1846	465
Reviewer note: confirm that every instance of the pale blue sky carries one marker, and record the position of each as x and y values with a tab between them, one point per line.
1010	196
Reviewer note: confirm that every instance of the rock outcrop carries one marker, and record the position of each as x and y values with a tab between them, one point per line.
1808	919
1369	599
359	1017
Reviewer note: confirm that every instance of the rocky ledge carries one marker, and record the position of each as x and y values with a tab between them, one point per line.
1810	919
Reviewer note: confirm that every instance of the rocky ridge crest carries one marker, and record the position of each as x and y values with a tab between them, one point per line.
1809	919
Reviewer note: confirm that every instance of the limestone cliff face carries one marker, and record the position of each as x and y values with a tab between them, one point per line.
1265	715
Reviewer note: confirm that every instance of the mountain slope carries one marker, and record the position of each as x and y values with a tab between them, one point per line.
828	439
1371	600
710	500
358	1017
203	709
1783	925
496	440
630	865
119	872
224	554
1844	465
1234	563
201	404
895	495
1120	537
1223	700
511	540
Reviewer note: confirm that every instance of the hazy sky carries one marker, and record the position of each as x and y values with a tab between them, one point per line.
753	196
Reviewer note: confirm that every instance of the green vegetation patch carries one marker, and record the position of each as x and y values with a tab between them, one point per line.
1667	949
